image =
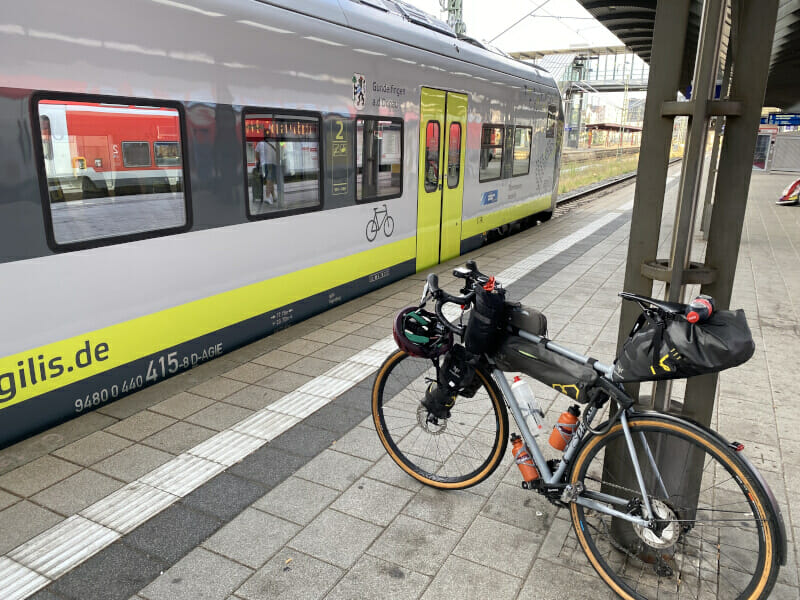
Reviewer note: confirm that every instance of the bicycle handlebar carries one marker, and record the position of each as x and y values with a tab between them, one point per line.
441	298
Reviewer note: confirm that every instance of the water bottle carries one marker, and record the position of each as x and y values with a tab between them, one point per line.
527	402
700	309
523	460
565	428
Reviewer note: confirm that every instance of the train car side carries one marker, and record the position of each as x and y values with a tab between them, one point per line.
180	274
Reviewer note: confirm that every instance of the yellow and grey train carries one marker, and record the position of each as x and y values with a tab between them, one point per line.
181	178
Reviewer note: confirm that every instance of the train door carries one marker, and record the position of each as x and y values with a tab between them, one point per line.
443	122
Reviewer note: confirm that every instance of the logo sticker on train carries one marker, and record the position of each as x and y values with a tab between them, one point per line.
359	91
489	198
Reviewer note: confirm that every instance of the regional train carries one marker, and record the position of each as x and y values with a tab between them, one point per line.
213	171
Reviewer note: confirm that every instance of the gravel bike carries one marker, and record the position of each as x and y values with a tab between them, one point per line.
662	507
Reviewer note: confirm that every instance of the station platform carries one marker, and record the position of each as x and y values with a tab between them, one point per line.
259	475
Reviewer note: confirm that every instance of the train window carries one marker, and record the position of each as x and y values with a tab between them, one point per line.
93	152
47	142
283	173
508	152
168	154
379	158
432	156
552	119
135	154
522	150
491	166
454	155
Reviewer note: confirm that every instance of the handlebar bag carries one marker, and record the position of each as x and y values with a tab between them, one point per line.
562	374
487	319
672	348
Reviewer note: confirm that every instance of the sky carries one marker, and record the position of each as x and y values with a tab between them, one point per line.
520	25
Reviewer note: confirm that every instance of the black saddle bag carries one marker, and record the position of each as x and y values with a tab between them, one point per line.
672	348
568	377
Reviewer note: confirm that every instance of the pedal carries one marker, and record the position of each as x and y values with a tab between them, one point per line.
571	492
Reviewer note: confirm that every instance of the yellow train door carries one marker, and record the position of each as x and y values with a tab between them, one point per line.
443	121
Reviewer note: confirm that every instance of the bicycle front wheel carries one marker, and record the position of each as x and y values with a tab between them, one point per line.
716	534
452	453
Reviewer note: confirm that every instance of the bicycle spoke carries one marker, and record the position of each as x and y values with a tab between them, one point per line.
719	545
439	449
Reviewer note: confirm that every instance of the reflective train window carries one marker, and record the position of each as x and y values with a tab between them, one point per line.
135	154
101	184
47	138
454	155
522	150
431	156
283	174
552	119
168	154
379	158
491	166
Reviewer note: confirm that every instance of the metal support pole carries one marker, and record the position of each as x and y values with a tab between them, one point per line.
703	84
754	31
713	163
669	38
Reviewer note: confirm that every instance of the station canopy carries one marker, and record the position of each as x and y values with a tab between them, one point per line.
632	21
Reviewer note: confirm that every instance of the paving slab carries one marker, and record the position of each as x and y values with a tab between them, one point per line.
22	521
290	575
132	462
178	437
374	578
76	492
37	475
181	405
140	425
459	578
372	501
336	538
252	537
334	469
201	574
93	448
414	544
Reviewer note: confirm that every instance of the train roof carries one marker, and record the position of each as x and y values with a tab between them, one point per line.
400	22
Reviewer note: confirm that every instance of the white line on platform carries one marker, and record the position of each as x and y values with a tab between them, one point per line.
42	559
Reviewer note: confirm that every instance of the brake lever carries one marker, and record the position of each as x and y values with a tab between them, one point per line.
425	293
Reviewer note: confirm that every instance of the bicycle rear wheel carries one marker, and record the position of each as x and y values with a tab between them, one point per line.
719	538
452	453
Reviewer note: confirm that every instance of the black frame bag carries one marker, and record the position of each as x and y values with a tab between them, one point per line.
670	347
562	374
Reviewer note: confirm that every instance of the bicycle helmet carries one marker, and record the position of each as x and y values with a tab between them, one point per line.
420	333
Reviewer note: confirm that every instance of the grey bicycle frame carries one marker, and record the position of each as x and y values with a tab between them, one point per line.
594	500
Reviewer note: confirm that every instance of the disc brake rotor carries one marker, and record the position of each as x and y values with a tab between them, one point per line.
670	533
431	424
